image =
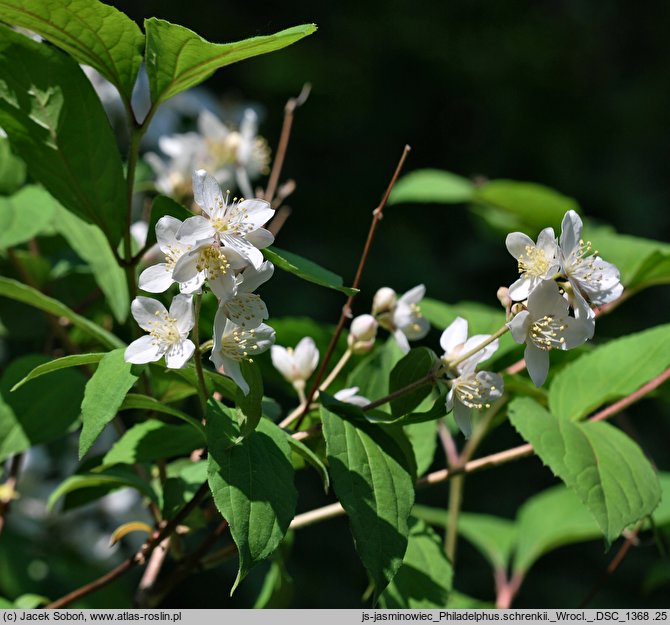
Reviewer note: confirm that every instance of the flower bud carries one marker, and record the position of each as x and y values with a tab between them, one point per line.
504	298
384	301
362	334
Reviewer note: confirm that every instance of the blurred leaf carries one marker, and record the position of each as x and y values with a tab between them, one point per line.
309	456
65	362
89	242
306	269
570	523
56	124
110	478
104	394
154	440
609	372
24	215
640	261
424	579
459	601
40	413
529	207
277	589
127	528
661	515
160	207
374	482
181	485
252	486
136	401
433	186
423	437
30	601
23	293
12	170
417	364
249	407
606	469
92	32
177	58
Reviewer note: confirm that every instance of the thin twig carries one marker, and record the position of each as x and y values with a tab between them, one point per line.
154	566
346	309
429	378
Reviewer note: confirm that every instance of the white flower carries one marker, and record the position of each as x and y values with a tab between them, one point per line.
174	175
168	332
296	365
241	305
472	390
546	325
351	396
454	341
537	262
593	279
233	344
401	315
362	333
237	224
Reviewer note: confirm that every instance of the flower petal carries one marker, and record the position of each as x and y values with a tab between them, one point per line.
156	279
402	341
546	300
195	229
252	278
414	295
143	350
520	326
257	212
521	288
546	241
282	360
517	242
178	355
306	357
181	309
244	248
166	232
455	334
231	368
146	311
571	232
462	417
224	286
416	329
245	309
210	126
207	193
537	363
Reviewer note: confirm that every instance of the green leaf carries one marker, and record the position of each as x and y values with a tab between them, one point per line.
309	456
135	401
249	407
433	186
103	397
177	58
373	479
371	374
91	245
23	293
424	579
65	362
92	32
108	479
153	440
662	513
570	523
252	486
481	320
184	480
56	124
417	364
23	216
423	437
526	206
306	269
40	413
609	372
30	601
604	467
12	169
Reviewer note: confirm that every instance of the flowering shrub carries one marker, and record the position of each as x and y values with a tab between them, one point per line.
210	455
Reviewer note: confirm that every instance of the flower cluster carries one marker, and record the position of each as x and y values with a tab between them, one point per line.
220	248
557	276
233	156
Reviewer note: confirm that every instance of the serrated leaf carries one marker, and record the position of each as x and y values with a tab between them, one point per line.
153	440
104	394
23	216
56	124
65	362
92	32
604	467
481	319
309	456
136	401
416	365
252	486
40	413
109	479
609	372
89	242
432	186
12	169
374	482
424	579
177	58
23	293
570	523
306	269
531	206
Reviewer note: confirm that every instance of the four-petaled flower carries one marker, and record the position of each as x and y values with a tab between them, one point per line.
168	331
296	365
241	305
537	261
401	315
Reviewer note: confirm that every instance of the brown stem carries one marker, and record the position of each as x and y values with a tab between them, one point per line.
346	309
151	573
429	378
10	486
280	154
